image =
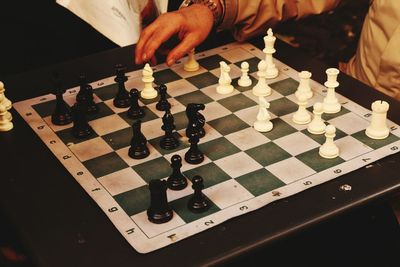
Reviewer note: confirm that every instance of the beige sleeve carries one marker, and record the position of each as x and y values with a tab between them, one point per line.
248	18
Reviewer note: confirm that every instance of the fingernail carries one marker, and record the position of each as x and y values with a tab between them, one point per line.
171	61
144	57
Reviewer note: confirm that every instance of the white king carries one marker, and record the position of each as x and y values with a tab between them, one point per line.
378	128
269	40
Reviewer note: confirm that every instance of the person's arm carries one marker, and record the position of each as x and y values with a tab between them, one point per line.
244	17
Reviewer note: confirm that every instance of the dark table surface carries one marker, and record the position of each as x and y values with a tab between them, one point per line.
60	225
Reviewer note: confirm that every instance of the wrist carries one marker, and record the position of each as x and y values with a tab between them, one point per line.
214	6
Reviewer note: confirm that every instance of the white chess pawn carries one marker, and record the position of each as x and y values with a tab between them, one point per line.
244	80
262	88
378	128
269	41
148	91
301	116
5	124
304	85
329	149
317	125
331	103
263	123
225	80
5	101
191	64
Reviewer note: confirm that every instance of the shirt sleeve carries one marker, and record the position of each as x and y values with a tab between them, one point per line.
250	18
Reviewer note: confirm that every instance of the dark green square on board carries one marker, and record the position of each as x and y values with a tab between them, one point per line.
180	207
282	106
285	87
320	138
218	148
211	173
104	111
203	80
107	92
105	164
253	64
67	137
228	124
165	76
259	182
327	117
267	154
281	128
134	201
194	97
158	168
119	139
212	62
180	120
156	144
374	143
237	102
46	108
312	159
148	116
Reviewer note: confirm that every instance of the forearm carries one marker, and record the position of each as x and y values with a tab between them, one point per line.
250	18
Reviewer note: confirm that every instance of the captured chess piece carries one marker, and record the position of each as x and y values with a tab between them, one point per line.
331	103
163	104
304	85
194	154
317	125
135	111
62	113
81	128
148	91
301	116
138	148
198	202
244	80
224	83
263	122
262	88
5	101
5	123
378	128
191	64
176	181
122	99
84	98
168	141
159	210
329	150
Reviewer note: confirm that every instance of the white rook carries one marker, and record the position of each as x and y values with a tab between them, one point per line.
331	103
378	128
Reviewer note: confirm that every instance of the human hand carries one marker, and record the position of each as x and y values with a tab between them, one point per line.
192	25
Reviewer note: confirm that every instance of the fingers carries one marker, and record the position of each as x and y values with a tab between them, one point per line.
189	42
144	37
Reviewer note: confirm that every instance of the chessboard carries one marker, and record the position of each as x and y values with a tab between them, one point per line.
243	169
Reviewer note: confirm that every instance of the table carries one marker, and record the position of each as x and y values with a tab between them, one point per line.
59	224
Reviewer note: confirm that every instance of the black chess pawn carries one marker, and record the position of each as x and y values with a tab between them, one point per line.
159	210
62	113
138	148
198	202
81	128
163	104
135	111
84	98
194	155
122	99
168	141
176	181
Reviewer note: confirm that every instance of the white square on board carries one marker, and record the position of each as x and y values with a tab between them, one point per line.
296	143
121	181
227	193
90	149
108	124
290	170
230	164
349	123
349	147
247	138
